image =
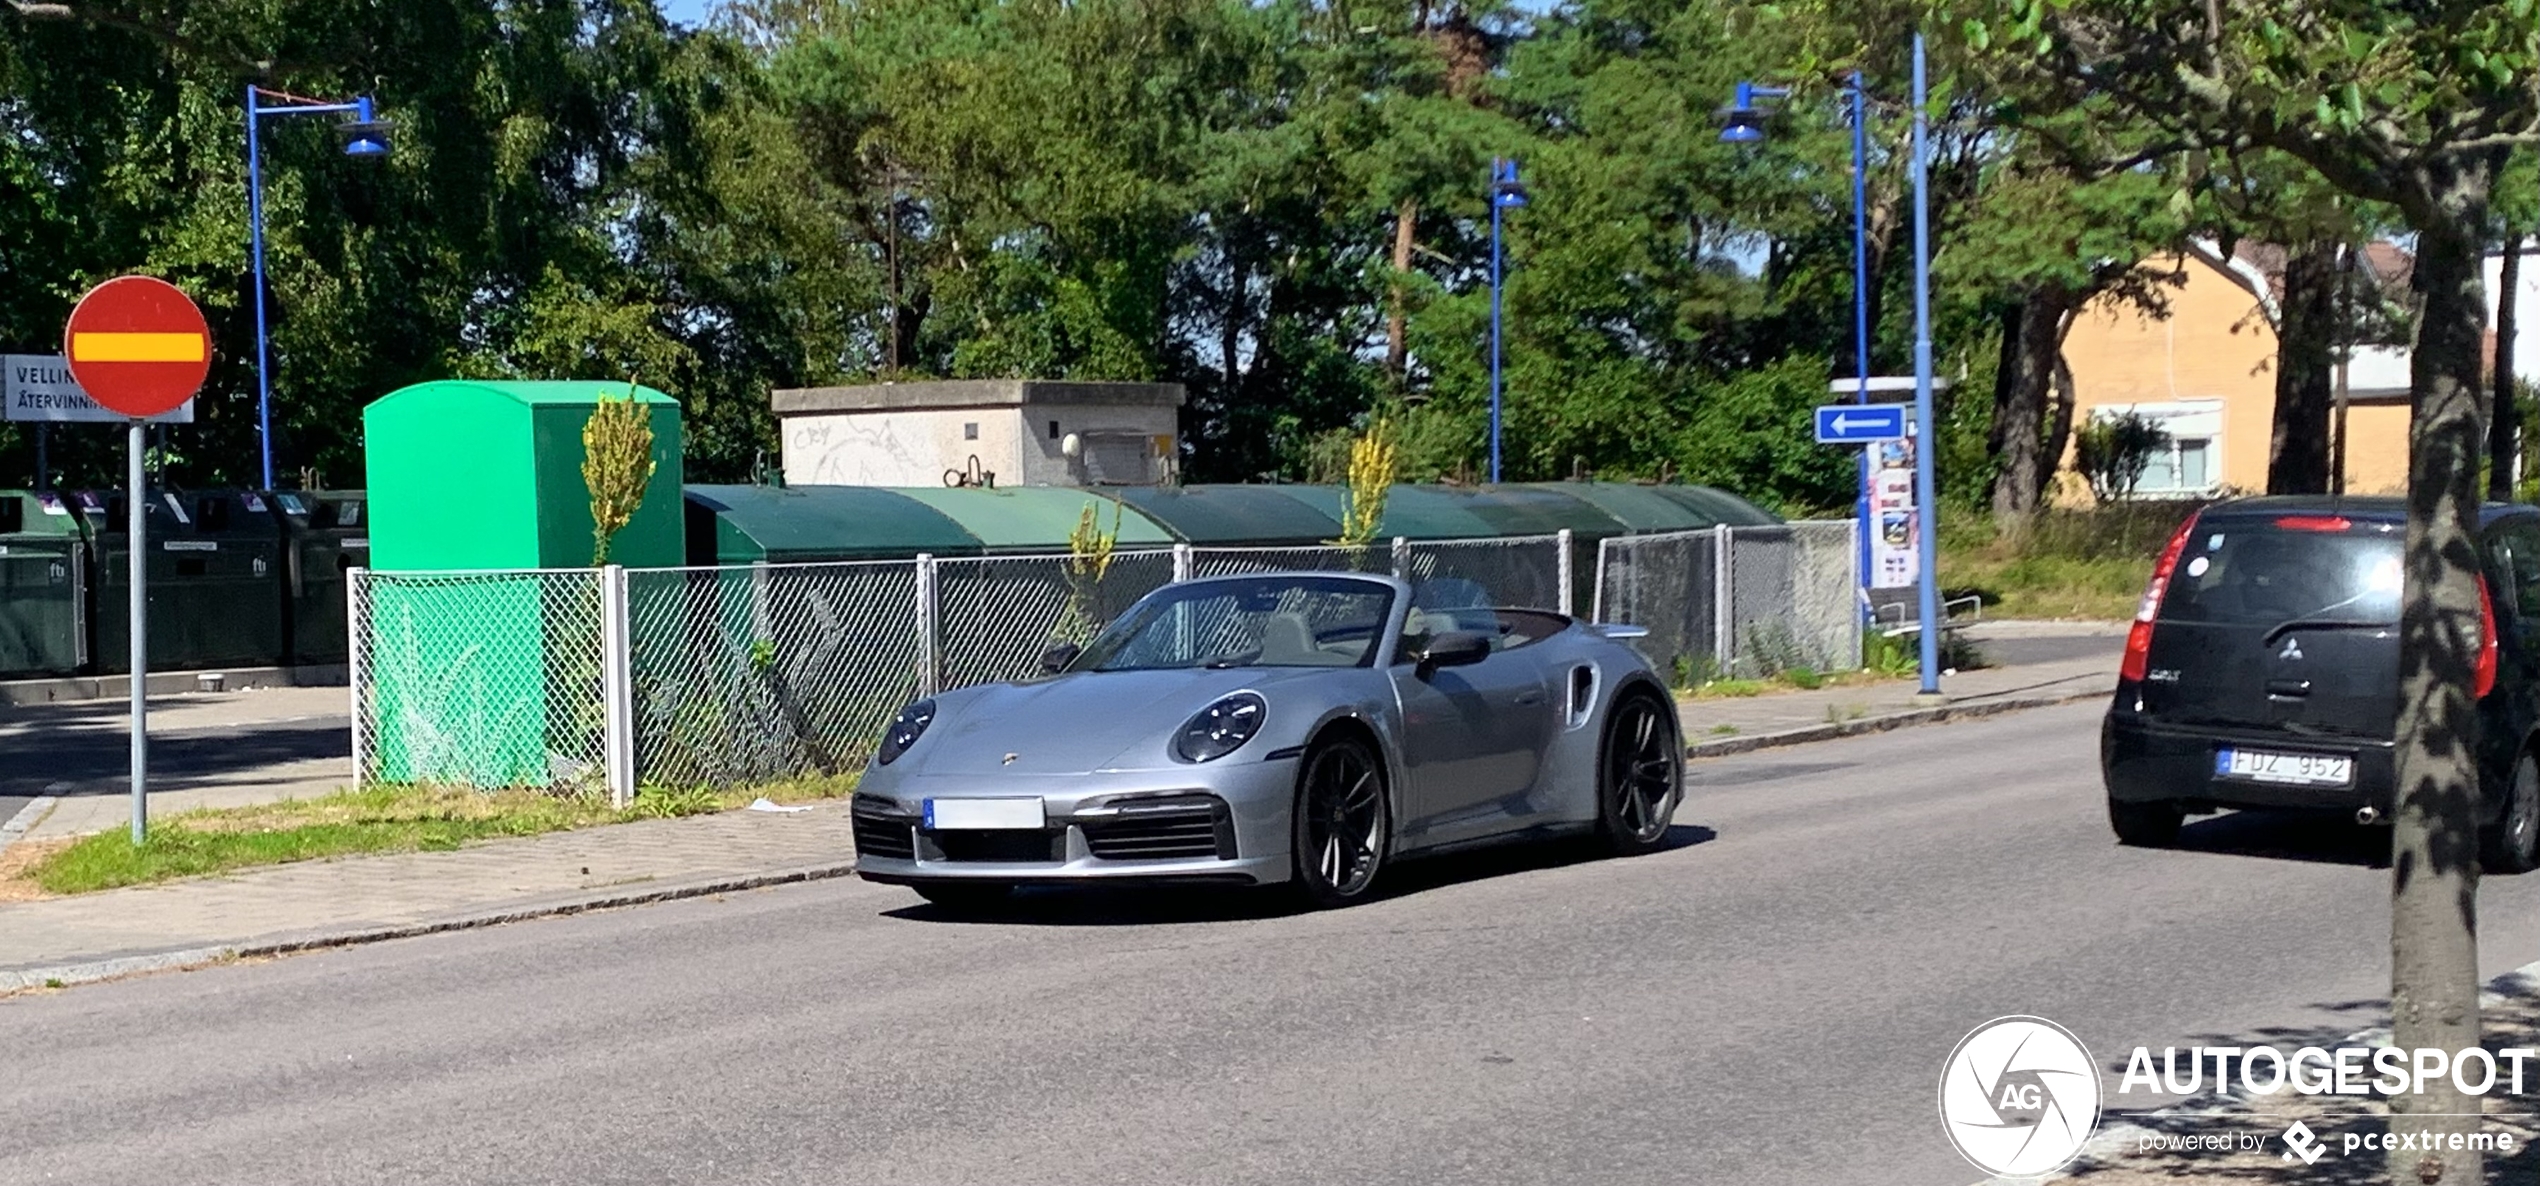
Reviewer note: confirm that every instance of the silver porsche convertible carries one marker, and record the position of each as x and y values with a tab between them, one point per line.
1295	728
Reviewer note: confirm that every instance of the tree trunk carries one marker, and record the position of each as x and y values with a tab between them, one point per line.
2059	420
2504	421
1397	351
2434	833
1230	326
2305	337
2032	337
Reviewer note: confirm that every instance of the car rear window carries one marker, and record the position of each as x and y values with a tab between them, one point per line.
2257	573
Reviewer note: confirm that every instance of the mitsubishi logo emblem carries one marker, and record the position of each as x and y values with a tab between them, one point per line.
2292	650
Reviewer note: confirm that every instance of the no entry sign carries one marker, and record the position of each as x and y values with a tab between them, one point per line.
138	346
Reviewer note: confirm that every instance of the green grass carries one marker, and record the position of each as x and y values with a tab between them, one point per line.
383	819
2070	564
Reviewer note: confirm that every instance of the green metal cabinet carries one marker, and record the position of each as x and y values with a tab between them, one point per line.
44	576
492	680
213	559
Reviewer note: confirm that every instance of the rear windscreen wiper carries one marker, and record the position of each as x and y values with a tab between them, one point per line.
2280	628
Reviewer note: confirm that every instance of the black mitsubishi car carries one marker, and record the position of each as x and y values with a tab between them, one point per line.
2263	671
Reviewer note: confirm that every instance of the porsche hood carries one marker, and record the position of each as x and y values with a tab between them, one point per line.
1079	723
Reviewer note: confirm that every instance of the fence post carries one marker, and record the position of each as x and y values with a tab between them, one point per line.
1401	558
1564	566
617	687
357	667
1596	603
1182	561
930	653
1723	620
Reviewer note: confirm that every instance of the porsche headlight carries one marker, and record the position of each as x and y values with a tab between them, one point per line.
905	729
1221	728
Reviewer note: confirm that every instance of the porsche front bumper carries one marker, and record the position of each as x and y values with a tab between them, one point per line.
1202	823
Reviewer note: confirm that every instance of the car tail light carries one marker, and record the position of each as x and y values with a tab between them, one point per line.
2483	680
2138	639
2314	523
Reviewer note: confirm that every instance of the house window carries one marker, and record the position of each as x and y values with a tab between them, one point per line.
970	430
2192	463
2183	468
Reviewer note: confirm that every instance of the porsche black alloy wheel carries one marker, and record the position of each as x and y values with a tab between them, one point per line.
1640	776
1340	823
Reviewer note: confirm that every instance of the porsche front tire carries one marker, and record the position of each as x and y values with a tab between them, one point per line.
1340	826
1639	775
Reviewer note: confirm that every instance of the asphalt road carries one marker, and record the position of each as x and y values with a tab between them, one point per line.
83	747
1768	1001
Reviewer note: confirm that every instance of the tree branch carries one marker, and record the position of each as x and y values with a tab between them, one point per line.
2485	143
166	35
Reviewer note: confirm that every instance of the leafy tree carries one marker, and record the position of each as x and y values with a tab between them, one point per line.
2113	451
2411	105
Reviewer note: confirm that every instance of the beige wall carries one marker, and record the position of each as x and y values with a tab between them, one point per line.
914	446
2216	343
2377	448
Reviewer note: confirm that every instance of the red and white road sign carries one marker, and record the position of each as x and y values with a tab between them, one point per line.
138	345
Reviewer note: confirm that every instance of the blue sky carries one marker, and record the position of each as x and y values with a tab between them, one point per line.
687	12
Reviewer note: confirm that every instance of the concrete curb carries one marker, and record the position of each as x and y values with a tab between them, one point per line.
25	820
24	693
1833	730
89	972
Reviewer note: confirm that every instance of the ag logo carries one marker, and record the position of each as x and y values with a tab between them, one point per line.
2019	1096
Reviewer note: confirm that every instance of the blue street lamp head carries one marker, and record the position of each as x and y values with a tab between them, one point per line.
1506	192
365	136
1743	119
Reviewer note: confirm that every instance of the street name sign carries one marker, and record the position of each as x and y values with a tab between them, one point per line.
37	388
1859	424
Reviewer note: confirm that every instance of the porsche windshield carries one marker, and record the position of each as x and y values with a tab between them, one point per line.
1267	621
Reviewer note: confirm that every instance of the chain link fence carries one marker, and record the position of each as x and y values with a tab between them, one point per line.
1737	601
1793	599
746	673
996	615
1669	584
478	679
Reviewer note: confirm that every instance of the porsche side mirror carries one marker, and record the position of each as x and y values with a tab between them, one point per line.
1455	648
1056	659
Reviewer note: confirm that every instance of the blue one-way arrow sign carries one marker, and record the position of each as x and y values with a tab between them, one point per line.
1859	424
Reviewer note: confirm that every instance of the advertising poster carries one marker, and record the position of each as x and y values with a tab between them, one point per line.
1894	521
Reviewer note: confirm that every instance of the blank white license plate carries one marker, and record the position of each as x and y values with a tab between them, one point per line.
944	815
2307	770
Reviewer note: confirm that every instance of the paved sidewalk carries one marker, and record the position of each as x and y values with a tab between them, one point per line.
1731	725
324	903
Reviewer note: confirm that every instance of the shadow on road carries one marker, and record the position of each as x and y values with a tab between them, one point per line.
90	760
1104	906
2288	836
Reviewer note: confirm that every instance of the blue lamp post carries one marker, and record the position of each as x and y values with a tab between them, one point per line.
1506	193
365	138
1744	124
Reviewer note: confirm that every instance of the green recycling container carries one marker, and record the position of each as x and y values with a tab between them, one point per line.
214	563
325	534
44	577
